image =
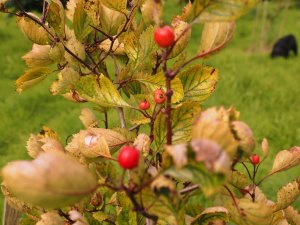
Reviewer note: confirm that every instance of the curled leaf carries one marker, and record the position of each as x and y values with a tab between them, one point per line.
216	35
52	180
286	159
56	17
142	143
244	136
209	215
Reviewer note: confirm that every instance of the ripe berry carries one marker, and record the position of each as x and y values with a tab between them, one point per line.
144	105
164	36
254	159
159	96
128	157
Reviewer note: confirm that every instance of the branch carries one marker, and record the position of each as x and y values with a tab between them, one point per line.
189	189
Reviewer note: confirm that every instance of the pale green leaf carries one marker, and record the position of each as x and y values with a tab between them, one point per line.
287	195
100	90
56	17
198	82
211	214
159	81
31	77
286	159
33	31
81	22
52	180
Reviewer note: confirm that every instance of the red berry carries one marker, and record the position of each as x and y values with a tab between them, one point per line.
255	159
159	96
128	157
144	105
164	36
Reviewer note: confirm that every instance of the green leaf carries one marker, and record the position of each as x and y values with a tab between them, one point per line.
31	77
215	35
118	5
198	82
286	159
100	90
52	180
225	10
211	214
159	81
56	17
33	31
238	179
195	172
81	22
182	121
287	195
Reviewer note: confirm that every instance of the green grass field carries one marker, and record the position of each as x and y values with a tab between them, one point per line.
265	91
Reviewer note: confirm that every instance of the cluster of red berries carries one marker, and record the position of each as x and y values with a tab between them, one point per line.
159	98
128	157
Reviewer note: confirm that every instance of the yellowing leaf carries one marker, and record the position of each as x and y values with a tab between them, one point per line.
287	195
214	124
152	11
180	27
31	77
142	143
286	159
33	31
118	5
198	82
182	122
211	214
88	118
56	17
244	135
67	80
38	56
238	179
81	22
227	10
159	81
100	90
57	52
117	48
77	48
216	35
52	180
265	148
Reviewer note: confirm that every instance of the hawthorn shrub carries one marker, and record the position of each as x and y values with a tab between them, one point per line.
168	153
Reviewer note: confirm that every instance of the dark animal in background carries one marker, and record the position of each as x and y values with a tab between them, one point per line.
284	45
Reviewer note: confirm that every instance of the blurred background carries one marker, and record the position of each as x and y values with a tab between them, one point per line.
266	91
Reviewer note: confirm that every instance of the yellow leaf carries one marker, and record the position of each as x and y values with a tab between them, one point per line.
51	218
118	5
152	11
88	118
33	31
292	215
38	56
216	35
31	77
